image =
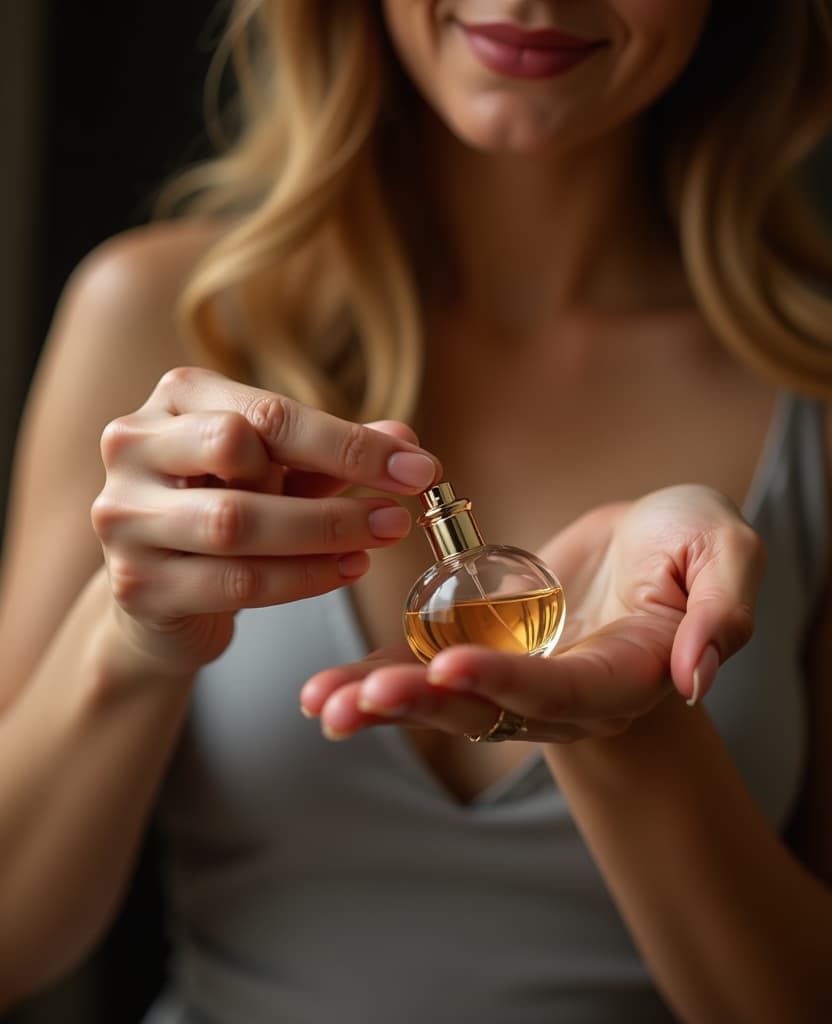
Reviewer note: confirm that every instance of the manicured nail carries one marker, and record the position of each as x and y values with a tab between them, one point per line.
460	683
354	564
411	469
704	673
389	523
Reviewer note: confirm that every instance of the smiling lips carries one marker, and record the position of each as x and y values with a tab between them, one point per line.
515	52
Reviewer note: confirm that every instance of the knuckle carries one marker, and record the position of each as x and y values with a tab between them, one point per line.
274	417
333	527
352	453
127	583
175	380
242	583
223	524
106	515
116	438
224	437
309	576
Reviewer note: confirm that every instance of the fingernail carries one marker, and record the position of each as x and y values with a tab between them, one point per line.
333	734
306	712
411	469
389	523
704	674
462	684
354	564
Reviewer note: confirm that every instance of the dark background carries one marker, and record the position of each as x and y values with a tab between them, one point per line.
106	99
114	92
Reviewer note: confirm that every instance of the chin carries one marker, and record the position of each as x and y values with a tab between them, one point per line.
498	128
505	139
490	140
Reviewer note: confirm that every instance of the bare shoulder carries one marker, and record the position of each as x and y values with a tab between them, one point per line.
129	286
156	256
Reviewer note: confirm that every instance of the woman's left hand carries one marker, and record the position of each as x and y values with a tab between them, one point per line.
659	592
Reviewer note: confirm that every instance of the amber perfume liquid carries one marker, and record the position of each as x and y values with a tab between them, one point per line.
519	624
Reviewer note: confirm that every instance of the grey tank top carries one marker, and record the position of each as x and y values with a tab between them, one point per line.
312	882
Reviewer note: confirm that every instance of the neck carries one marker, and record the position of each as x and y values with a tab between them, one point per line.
532	237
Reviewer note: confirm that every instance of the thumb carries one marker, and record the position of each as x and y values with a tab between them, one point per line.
722	583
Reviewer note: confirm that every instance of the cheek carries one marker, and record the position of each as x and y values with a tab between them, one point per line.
668	26
658	39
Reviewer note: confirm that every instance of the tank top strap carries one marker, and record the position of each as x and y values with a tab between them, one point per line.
791	487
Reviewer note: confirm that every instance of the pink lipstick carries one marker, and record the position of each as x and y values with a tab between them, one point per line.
507	49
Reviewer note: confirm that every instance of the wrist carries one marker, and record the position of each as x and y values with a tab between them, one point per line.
655	754
122	659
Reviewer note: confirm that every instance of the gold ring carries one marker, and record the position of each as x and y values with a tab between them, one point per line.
507	726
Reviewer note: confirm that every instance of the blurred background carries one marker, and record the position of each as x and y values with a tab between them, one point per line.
101	102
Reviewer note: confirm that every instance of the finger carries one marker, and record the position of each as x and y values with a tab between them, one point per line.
178	586
341	717
319	485
395	428
345	711
217	444
302	437
216	521
402	691
723	581
400	694
318	688
618	672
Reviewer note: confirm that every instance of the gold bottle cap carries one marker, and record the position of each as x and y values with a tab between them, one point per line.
448	522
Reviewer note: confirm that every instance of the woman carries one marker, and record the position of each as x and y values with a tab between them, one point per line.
554	239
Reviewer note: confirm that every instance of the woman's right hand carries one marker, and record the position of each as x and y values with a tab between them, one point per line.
221	496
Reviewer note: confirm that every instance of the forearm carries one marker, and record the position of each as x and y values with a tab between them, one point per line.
82	753
731	925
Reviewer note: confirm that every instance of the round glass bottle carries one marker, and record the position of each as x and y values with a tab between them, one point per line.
477	593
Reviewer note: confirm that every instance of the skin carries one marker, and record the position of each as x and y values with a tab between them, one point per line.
589	327
642	51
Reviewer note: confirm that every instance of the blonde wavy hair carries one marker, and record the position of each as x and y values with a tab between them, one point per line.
316	288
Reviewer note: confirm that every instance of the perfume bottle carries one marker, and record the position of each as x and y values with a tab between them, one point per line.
500	597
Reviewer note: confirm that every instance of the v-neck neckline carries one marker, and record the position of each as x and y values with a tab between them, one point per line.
508	784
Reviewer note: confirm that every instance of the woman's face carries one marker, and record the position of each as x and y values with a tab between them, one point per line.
533	75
